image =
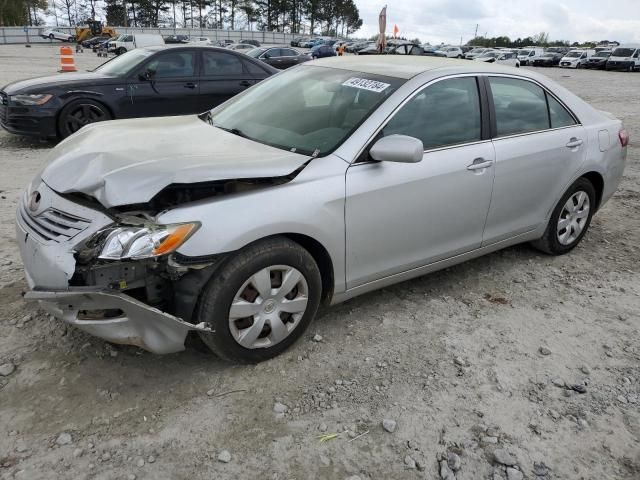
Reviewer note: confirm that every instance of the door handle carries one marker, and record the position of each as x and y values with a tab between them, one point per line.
190	85
479	164
245	83
574	143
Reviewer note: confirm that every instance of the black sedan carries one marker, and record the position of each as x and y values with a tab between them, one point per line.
550	59
279	57
145	82
598	61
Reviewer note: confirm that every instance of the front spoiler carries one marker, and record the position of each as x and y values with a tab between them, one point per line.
139	325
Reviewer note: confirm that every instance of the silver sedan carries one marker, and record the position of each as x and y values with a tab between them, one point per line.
324	182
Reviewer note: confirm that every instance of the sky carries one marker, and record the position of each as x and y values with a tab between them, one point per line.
446	21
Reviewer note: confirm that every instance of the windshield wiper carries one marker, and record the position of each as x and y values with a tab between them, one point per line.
235	131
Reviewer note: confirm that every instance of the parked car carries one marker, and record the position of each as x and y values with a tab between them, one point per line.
53	34
94	41
576	58
527	56
241	47
203	41
102	44
296	41
406	49
598	61
626	57
124	43
353	48
322	183
548	59
451	52
499	56
279	57
321	51
312	42
251	41
560	50
173	39
476	52
145	82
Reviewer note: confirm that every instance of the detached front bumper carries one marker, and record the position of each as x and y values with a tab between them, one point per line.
138	324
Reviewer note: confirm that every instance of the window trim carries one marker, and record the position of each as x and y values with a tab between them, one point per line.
485	130
494	127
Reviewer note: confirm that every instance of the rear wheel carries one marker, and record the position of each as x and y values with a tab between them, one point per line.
570	219
80	113
121	50
260	301
51	36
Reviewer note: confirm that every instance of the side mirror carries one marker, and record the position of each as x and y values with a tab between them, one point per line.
397	148
146	76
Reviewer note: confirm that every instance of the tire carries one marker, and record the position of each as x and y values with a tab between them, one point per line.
121	50
234	282
459	56
79	113
51	36
550	242
578	67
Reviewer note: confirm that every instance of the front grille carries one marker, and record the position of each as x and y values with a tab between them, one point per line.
52	225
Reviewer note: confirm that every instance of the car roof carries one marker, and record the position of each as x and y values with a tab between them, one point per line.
405	66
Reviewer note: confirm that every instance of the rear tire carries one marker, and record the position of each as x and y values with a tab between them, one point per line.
570	219
237	283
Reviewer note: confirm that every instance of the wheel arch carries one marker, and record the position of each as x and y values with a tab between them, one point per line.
597	181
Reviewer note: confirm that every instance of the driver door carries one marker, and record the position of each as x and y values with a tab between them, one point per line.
401	216
171	86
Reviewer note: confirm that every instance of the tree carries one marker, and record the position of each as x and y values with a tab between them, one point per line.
115	12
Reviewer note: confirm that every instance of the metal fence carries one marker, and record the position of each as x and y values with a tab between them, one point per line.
32	34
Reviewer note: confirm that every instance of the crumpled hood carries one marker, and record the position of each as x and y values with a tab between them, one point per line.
125	162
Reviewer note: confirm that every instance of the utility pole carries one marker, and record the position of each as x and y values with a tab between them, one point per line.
125	13
475	35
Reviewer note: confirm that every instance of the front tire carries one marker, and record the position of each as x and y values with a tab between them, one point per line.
121	50
570	219
260	301
79	113
51	36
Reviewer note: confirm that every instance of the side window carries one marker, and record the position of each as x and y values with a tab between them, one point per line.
520	106
252	68
274	52
445	113
217	63
173	64
559	115
287	52
128	38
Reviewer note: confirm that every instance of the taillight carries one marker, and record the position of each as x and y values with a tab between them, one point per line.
624	137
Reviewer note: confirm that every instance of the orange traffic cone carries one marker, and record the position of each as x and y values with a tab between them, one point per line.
67	64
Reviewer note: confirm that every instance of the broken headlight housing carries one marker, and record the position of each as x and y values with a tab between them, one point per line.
135	243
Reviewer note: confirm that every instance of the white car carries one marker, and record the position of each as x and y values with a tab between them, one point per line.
450	52
499	56
241	47
528	55
52	34
576	58
201	41
476	52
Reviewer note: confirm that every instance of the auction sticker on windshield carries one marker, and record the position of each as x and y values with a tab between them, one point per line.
365	84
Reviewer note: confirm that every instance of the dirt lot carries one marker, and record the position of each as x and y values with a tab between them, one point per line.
453	358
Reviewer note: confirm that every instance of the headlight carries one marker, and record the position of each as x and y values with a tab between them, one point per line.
36	99
145	242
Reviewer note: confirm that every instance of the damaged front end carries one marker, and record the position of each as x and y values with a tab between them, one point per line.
115	276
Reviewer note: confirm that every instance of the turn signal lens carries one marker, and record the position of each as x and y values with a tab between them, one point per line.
176	237
623	135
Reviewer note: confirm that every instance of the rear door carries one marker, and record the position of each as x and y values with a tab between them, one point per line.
289	57
171	90
223	75
539	146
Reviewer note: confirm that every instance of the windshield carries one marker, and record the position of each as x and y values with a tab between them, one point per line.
123	64
602	54
573	54
317	108
623	52
490	54
477	50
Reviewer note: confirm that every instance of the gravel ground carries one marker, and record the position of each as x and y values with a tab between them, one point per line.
513	365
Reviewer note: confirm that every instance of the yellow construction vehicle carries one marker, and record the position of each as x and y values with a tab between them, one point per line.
93	28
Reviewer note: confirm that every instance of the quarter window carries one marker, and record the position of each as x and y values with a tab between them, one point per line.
445	113
560	117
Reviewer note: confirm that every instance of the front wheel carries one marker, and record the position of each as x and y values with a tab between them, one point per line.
121	50
80	113
570	219
260	301
51	36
